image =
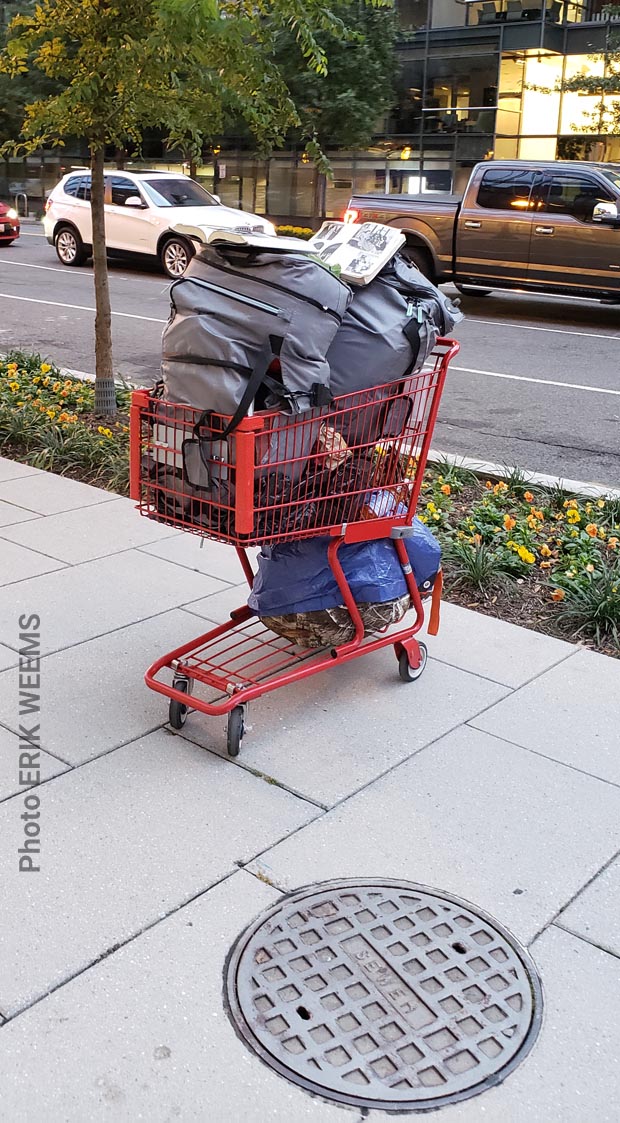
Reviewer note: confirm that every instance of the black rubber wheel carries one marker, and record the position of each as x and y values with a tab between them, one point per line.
420	259
471	290
236	729
175	255
406	672
69	246
178	711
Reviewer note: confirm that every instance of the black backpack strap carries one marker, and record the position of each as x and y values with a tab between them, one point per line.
257	377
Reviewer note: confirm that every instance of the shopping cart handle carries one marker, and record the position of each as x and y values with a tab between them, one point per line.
402	532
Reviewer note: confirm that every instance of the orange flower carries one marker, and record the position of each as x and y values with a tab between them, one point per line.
558	594
592	530
509	522
488	485
529	498
545	565
545	551
445	489
539	515
613	542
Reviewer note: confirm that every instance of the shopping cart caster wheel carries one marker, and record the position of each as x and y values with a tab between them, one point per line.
178	711
407	673
236	729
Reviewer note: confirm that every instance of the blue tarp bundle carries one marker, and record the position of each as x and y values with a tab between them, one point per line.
296	577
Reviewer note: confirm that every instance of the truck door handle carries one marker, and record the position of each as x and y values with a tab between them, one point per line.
544	229
471	225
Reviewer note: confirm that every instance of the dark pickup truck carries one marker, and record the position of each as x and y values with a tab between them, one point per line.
544	227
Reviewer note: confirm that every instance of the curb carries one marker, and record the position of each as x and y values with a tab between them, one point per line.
498	471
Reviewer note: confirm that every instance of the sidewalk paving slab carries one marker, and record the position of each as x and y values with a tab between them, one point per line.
595	913
8	657
88	600
336	732
96	689
218	607
127	838
10	514
495	649
89	532
144	1035
571	714
470	818
214	558
13	470
48	495
19	564
10	749
571	1075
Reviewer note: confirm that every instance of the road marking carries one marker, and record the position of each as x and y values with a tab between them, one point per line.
530	327
539	381
30	234
50	268
81	308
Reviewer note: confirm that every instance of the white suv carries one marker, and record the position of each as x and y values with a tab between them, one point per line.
141	210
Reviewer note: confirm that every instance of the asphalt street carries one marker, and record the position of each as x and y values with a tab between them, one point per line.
537	381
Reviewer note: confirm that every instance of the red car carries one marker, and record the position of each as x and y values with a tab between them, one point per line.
9	224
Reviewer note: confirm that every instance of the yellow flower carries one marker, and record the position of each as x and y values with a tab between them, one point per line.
56	387
446	489
600	503
573	516
45	367
558	594
526	555
592	530
545	551
11	367
570	502
545	565
14	386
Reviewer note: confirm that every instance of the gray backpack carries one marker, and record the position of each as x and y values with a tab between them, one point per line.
234	310
389	330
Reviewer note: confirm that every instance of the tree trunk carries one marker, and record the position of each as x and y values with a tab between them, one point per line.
105	395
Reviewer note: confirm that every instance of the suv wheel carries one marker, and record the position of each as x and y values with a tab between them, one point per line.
175	255
69	246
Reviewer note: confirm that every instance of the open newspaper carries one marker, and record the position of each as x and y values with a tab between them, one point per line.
356	253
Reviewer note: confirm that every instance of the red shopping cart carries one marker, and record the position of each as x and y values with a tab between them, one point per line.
351	471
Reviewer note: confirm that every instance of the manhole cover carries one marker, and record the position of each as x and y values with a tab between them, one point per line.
383	994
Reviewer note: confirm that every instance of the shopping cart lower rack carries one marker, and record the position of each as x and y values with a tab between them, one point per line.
351	472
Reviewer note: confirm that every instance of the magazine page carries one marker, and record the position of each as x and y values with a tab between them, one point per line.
360	251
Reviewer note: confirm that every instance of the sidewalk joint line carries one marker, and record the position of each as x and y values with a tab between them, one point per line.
582	888
586	940
544	756
271	780
35	745
120	945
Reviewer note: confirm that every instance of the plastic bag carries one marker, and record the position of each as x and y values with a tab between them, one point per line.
296	576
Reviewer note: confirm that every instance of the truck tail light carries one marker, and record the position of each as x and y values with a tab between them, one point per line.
351	215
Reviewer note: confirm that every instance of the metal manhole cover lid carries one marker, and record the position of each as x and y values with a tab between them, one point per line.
383	993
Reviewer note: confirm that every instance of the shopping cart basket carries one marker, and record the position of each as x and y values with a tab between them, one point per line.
351	471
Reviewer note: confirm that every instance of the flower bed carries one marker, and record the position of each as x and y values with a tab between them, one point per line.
540	557
47	420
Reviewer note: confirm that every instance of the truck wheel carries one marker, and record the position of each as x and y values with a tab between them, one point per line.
471	290
420	259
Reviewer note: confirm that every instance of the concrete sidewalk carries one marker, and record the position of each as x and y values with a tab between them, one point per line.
496	777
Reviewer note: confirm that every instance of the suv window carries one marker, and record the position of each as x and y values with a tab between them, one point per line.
122	190
72	185
506	189
83	191
181	192
573	194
